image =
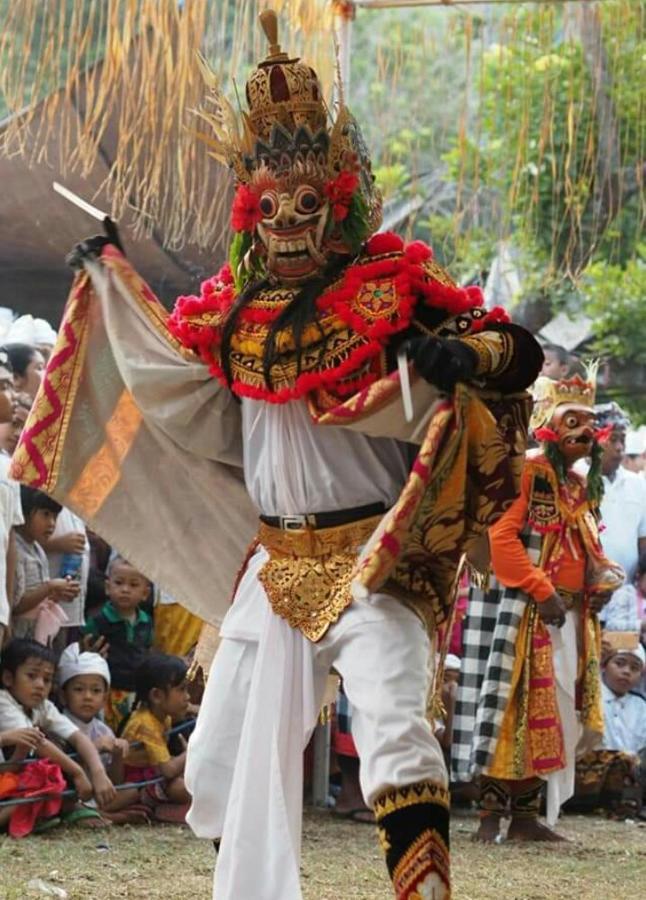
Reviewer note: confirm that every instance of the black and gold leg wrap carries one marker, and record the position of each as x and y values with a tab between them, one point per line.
413	825
494	797
526	802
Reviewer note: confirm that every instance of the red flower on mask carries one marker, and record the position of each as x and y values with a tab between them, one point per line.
245	212
339	192
546	434
602	435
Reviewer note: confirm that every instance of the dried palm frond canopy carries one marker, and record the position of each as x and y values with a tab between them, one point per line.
493	118
130	66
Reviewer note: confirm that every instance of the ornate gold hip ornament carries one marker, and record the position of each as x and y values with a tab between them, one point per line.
307	577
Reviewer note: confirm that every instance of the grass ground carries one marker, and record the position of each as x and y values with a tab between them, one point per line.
341	861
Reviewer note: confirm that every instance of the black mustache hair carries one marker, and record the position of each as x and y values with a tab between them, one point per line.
301	312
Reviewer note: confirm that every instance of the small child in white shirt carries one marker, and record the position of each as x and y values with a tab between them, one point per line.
36	611
26	676
624	709
84	680
613	777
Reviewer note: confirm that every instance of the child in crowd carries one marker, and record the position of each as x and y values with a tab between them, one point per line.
28	366
126	630
36	611
626	610
10	507
610	777
443	727
162	698
624	709
26	675
21	407
84	680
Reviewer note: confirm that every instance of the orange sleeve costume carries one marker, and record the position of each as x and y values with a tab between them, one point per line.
512	565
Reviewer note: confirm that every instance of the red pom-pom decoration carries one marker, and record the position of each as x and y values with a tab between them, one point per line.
386	242
245	212
339	192
546	434
418	252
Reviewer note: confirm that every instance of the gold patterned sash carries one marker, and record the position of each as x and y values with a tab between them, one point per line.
308	574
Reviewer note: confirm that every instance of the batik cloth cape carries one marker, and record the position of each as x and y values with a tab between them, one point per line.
507	721
131	430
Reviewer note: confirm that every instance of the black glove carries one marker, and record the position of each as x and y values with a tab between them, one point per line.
91	247
442	361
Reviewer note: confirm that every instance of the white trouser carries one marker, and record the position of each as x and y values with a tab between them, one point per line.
244	766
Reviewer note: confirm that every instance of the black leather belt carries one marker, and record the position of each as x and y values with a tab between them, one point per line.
324	519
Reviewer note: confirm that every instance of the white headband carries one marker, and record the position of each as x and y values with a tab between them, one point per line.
27	330
73	663
637	651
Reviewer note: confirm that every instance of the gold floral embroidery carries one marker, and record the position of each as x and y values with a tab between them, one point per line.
308	574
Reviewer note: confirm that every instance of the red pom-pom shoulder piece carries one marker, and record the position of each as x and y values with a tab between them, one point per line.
387	242
418	252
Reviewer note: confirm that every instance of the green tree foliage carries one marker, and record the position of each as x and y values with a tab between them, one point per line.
538	134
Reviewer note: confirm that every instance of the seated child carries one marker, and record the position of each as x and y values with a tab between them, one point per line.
36	597
443	727
126	630
27	673
84	680
610	777
162	698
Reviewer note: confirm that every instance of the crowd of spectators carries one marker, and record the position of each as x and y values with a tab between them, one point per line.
94	696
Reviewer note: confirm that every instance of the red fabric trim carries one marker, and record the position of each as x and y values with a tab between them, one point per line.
543	529
405	273
30	434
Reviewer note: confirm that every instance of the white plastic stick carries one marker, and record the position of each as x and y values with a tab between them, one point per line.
404	381
78	201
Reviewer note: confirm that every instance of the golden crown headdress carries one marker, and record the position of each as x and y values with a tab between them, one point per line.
573	392
286	125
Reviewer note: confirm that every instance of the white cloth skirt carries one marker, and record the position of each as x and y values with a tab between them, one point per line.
245	759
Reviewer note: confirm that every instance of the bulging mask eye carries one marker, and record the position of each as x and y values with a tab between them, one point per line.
306	200
268	204
571	421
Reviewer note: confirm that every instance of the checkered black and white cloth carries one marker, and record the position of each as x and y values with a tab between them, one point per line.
489	649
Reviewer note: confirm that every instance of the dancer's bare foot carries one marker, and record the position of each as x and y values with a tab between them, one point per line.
532	830
489	829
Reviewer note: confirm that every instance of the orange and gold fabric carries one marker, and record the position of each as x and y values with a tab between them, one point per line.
513	566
